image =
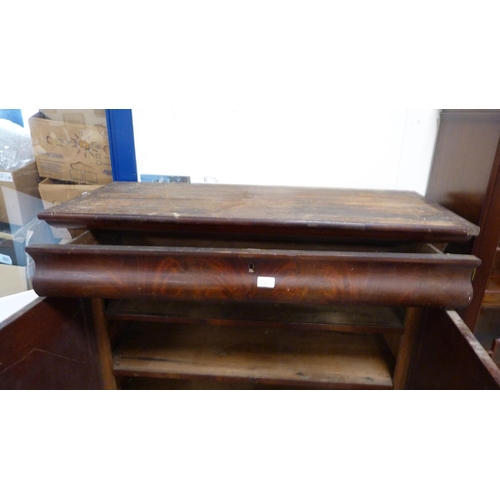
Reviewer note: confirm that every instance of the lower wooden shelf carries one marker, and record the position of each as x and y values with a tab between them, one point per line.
492	293
265	355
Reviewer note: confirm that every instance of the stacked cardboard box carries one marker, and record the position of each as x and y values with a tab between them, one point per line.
72	155
92	117
75	151
54	192
19	195
19	204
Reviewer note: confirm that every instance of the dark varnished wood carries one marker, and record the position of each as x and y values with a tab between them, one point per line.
318	213
209	244
50	344
486	243
448	356
364	320
495	355
315	277
465	179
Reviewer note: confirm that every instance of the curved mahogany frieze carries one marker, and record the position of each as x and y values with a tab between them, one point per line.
254	275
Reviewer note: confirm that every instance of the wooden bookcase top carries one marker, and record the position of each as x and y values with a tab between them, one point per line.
272	210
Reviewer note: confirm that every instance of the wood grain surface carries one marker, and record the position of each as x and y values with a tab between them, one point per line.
277	356
314	277
49	345
273	210
447	356
348	319
257	247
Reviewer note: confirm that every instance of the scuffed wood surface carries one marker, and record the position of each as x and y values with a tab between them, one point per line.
317	212
277	356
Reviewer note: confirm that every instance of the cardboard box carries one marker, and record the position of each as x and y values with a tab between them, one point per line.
12	280
19	196
55	192
92	117
71	152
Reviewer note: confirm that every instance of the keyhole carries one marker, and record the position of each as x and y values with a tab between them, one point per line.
251	268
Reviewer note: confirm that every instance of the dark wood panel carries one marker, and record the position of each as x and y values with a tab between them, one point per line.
448	356
485	245
495	355
465	178
488	326
276	356
496	260
49	345
262	210
200	384
354	319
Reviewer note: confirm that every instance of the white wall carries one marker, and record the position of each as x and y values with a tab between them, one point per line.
376	149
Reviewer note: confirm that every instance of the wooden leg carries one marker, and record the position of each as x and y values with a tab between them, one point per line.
412	327
103	344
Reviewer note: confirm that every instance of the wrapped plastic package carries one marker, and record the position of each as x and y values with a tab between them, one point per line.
16	147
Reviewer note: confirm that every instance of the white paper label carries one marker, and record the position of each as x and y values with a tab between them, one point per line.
5	259
265	282
5	177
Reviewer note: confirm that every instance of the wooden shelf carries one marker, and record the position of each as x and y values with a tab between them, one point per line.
492	293
266	355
